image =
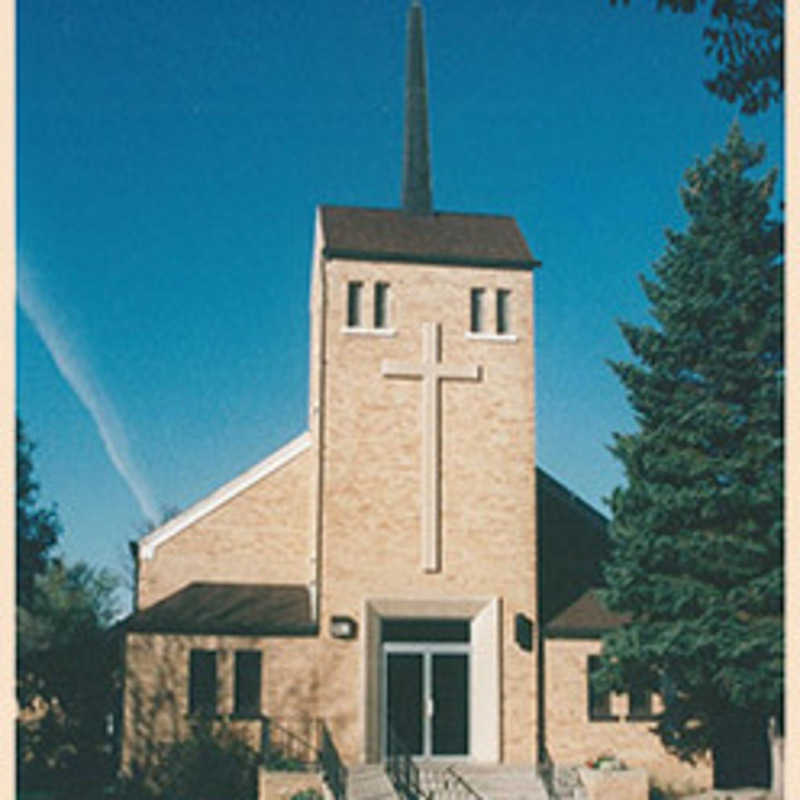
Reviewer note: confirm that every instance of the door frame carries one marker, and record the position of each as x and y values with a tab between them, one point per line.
485	614
427	650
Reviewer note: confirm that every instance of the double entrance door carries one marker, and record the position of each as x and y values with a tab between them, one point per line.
426	697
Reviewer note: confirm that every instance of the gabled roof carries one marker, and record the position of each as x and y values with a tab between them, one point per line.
148	543
586	618
437	238
229	609
572	544
546	483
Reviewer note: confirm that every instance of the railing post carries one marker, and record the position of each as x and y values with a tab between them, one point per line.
265	739
334	772
400	766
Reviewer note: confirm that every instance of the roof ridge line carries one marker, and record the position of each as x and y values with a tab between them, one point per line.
431	215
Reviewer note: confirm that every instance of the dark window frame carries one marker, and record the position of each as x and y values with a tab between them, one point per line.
434	629
247	672
477	310
203	688
380	308
594	699
645	710
503	312
355	300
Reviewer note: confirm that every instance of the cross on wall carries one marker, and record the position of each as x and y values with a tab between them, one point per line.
431	372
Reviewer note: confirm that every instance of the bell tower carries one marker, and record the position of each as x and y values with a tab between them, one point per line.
422	424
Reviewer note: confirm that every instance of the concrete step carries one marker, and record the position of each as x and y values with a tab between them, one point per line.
489	781
369	782
735	794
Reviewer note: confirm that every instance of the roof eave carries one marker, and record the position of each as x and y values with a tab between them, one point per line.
578	633
372	255
147	545
310	629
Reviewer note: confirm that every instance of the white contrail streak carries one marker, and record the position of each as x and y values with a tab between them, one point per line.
76	372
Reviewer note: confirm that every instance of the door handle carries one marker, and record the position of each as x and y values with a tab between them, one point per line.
429	707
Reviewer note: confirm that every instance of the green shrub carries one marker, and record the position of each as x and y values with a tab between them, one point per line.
307	794
279	761
661	793
212	763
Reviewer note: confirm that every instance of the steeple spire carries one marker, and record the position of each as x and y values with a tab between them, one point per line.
417	196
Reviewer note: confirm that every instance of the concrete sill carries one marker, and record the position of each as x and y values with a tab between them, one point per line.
508	338
386	332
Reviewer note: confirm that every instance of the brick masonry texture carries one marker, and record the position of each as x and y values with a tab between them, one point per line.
372	471
285	785
259	536
572	738
346	511
157	681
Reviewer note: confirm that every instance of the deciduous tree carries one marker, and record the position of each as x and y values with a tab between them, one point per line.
67	676
38	528
745	37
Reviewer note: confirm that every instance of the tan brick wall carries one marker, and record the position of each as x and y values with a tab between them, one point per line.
258	536
360	484
157	684
284	785
371	486
572	738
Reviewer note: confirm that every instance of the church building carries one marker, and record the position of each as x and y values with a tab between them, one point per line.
381	573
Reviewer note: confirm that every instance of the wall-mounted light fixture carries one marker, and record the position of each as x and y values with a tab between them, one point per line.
523	631
343	628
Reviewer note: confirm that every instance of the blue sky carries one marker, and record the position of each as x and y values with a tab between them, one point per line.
171	155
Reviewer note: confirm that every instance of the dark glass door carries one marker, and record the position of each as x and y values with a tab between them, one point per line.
405	679
450	695
427	699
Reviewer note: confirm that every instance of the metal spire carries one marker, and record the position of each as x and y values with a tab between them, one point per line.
417	196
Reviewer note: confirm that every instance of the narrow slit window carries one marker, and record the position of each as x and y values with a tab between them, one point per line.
354	292
476	310
599	702
503	311
247	684
203	682
381	306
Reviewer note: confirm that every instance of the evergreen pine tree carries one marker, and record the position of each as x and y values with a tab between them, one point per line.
697	532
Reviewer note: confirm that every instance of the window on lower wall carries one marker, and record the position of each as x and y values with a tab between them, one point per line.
640	702
599	702
203	682
247	685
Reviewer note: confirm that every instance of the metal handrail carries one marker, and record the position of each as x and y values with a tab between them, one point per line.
400	767
450	771
334	772
293	751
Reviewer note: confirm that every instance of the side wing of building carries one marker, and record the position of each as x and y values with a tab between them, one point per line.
255	529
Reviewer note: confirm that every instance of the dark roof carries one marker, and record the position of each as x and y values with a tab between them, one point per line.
229	608
572	544
437	238
586	618
545	482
